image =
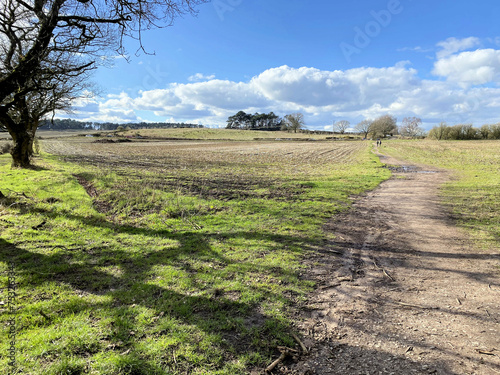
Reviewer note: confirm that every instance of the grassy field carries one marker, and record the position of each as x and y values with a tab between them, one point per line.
474	192
228	134
166	257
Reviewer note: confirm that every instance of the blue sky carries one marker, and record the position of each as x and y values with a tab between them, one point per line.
330	60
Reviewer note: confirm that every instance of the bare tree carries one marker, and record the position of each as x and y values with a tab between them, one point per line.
27	110
47	42
383	126
411	127
294	121
341	126
364	127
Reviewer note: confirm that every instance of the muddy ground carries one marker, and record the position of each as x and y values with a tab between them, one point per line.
402	290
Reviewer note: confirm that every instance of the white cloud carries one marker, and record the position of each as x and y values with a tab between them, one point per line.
115	108
156	100
415	49
86	105
200	77
303	86
453	45
339	90
477	67
220	94
121	100
323	96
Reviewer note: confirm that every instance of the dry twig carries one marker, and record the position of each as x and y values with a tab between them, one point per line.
383	270
485	352
386	274
303	347
286	352
334	252
275	363
286	349
416	306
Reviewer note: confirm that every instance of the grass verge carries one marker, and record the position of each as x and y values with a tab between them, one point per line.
474	193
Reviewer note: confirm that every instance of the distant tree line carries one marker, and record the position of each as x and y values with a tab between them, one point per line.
382	127
266	121
410	127
257	121
68	124
444	131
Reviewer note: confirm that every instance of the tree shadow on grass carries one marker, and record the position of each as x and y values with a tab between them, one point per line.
234	317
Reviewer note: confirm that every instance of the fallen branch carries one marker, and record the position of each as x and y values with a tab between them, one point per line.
302	346
344	278
275	363
383	271
485	352
386	274
416	306
334	252
286	349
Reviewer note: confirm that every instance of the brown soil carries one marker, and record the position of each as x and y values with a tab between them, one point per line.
401	290
100	205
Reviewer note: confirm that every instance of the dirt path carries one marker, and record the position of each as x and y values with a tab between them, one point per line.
401	290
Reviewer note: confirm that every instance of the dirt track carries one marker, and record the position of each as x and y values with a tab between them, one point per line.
402	290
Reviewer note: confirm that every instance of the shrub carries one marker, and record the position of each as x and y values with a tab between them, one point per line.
5	147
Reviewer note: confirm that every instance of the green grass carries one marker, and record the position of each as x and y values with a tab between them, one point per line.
227	134
474	192
166	271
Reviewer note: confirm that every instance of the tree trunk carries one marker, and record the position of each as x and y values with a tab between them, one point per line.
22	150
